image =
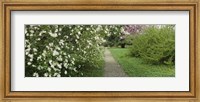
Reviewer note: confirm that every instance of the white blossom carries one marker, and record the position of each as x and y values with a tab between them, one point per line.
35	74
53	34
29	63
55	53
32	31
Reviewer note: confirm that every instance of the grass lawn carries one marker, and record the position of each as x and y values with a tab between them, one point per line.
93	72
136	67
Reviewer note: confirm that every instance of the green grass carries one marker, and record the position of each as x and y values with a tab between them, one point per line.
93	72
136	67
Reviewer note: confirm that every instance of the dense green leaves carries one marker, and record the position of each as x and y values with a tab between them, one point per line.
156	45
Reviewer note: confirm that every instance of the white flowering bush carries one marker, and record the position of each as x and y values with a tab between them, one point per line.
112	35
62	50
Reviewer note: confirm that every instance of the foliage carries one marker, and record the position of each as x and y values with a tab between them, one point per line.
136	67
129	39
62	50
112	35
120	34
156	45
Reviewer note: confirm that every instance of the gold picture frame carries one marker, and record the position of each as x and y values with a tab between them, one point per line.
154	5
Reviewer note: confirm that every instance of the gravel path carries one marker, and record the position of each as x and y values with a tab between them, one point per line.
112	68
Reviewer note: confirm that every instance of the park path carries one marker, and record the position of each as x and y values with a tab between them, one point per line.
112	68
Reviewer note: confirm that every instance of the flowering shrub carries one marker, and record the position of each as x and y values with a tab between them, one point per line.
128	32
112	35
133	29
62	50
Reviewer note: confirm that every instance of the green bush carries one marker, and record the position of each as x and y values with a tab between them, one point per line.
129	39
156	45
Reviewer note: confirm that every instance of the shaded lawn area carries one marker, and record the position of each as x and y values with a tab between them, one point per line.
93	72
136	67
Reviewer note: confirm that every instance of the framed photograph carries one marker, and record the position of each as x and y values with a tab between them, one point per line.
100	50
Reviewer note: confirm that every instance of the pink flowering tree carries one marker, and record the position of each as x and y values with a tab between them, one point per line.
128	32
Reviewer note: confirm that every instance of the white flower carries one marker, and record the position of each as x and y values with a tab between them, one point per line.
66	60
84	52
29	63
50	44
65	65
33	66
56	30
75	70
39	57
49	69
27	52
76	41
55	53
32	31
73	62
34	49
79	32
46	74
58	75
58	48
77	36
30	55
65	72
96	38
44	54
40	34
60	29
27	34
59	65
40	67
67	37
35	74
53	34
61	42
59	58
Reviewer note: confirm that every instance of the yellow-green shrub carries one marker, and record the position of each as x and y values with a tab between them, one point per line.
156	45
